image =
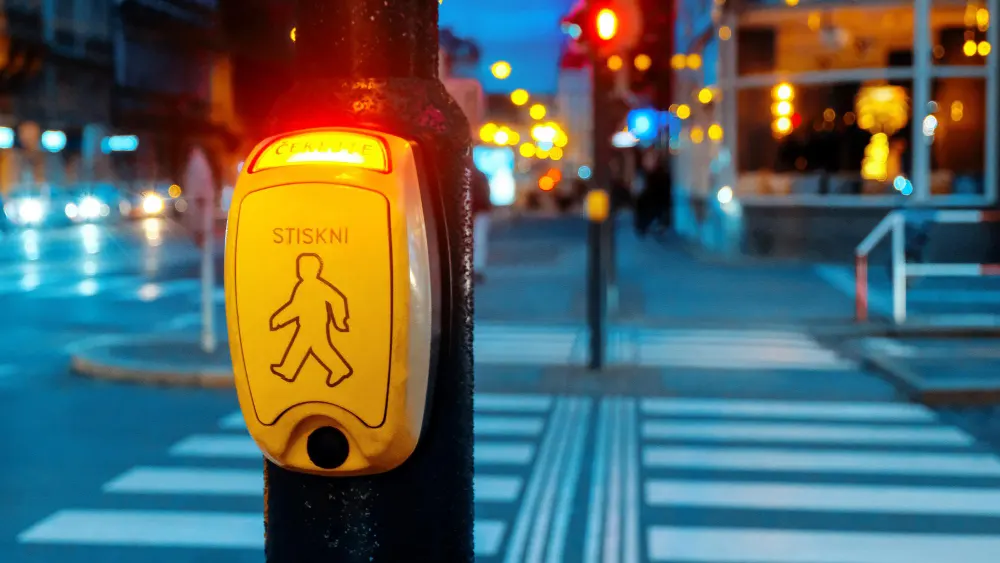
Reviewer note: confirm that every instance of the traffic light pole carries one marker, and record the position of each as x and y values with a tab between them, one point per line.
600	234
373	64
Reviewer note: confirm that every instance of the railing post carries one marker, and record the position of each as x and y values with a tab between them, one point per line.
899	268
861	287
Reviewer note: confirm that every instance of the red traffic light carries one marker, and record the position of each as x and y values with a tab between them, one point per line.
607	24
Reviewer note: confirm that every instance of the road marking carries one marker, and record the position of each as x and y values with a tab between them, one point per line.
243	447
487	537
207	530
554	487
888	412
613	508
549	457
804	432
749	349
847	461
508	425
250	482
525	345
490	402
183	529
216	446
723	545
188	481
569	479
598	484
631	507
879	499
484	425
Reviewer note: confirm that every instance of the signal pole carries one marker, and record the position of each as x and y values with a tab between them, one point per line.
373	64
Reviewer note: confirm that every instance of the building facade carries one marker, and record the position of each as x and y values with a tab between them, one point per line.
804	123
77	72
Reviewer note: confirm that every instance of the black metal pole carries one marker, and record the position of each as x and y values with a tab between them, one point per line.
599	240
373	64
597	291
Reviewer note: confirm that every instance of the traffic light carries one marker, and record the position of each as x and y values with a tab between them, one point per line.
608	27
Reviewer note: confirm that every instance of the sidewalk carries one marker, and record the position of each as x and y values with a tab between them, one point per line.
543	279
934	370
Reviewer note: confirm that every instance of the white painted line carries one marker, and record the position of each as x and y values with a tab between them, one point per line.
489	402
217	446
568	486
489	453
761	459
706	360
233	421
721	545
613	508
631	439
748	343
496	488
182	529
487	537
881	499
551	488
598	484
548	459
243	447
204	530
894	412
705	333
520	426
734	431
250	482
181	480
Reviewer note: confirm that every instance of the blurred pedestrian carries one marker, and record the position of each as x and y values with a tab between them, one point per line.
655	202
481	208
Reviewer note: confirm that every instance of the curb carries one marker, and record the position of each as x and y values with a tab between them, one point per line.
87	361
913	386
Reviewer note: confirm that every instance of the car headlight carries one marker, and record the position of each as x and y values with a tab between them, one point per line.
31	211
90	207
72	211
152	204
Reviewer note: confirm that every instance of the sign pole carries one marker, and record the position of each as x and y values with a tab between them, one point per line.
373	65
208	341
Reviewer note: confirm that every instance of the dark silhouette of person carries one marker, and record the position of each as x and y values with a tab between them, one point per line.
315	306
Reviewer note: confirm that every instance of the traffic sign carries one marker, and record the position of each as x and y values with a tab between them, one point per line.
329	300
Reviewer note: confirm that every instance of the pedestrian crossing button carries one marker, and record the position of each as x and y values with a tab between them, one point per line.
333	302
327	447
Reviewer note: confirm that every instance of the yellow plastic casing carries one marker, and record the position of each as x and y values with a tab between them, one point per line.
329	297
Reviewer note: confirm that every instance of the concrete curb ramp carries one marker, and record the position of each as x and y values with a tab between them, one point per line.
103	359
917	388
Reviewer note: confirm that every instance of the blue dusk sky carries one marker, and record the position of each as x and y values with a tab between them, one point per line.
524	33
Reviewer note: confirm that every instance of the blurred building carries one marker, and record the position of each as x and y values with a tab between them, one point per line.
803	123
173	88
154	75
56	80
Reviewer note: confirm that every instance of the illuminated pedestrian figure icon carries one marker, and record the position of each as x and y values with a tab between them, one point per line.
316	307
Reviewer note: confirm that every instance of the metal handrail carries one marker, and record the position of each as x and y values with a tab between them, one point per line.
895	223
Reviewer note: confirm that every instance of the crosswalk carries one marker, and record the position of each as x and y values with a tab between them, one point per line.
567	479
522	495
733	350
800	482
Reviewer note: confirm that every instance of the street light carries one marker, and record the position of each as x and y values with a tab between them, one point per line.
519	97
643	62
501	70
537	111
